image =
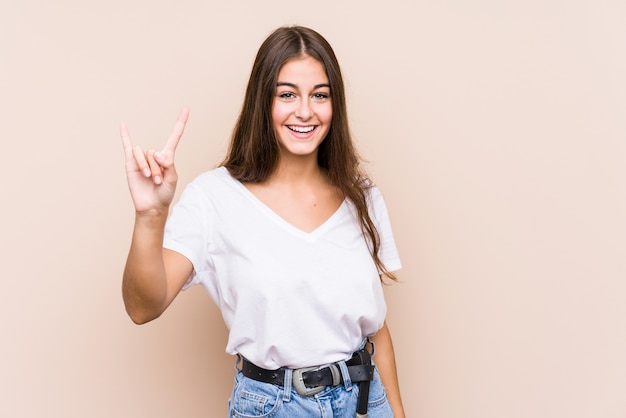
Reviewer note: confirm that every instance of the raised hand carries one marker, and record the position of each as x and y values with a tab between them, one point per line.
151	174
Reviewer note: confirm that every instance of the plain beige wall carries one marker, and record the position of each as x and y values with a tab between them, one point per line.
495	129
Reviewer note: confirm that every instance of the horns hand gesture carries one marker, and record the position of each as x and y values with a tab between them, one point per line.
151	174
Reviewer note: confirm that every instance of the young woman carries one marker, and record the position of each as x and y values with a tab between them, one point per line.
289	238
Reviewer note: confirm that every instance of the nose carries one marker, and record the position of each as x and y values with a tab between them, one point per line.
304	111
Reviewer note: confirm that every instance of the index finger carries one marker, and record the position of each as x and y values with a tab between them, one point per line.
177	132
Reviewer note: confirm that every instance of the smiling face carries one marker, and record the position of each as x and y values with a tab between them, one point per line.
302	108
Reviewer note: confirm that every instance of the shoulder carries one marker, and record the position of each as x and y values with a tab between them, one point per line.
210	186
215	175
370	189
215	179
374	198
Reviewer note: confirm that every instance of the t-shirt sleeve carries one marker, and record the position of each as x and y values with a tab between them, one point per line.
388	252
186	231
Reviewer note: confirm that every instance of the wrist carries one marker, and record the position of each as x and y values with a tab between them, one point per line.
153	217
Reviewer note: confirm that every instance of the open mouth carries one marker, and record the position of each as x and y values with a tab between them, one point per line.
301	129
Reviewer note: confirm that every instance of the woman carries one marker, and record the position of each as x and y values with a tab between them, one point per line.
289	238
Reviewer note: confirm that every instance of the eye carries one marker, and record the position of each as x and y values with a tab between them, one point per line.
321	96
287	95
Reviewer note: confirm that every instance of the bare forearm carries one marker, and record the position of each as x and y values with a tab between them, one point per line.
386	363
144	284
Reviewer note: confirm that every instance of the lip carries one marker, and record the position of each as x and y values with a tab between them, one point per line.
302	131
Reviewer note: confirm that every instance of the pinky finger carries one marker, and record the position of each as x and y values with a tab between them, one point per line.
128	147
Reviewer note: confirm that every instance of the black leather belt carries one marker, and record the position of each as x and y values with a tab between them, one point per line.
309	381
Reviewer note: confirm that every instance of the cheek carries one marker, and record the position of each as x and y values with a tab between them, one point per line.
276	119
328	115
279	113
324	112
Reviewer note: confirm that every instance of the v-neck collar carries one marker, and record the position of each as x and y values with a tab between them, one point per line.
270	213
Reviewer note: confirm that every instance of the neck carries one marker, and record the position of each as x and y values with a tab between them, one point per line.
297	169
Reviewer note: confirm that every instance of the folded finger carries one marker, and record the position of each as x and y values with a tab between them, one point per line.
141	161
155	168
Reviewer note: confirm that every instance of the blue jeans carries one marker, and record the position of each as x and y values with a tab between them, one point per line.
253	399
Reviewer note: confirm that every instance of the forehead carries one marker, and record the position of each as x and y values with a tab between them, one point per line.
304	69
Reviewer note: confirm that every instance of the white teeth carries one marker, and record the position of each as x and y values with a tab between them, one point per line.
302	129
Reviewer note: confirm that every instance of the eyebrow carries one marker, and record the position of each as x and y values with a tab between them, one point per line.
292	85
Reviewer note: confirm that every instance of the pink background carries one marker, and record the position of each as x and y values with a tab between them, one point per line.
496	132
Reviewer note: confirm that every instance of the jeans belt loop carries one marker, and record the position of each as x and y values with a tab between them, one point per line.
347	382
287	385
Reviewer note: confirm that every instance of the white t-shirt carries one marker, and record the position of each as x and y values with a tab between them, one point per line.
289	298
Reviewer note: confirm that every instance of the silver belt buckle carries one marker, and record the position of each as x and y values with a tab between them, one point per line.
302	390
298	383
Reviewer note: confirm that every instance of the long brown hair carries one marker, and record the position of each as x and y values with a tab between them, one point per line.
254	151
